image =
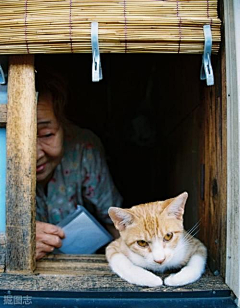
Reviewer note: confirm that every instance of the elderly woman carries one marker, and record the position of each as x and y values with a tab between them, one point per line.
71	168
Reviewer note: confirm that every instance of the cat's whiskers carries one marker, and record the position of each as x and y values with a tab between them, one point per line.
188	236
186	240
194	227
183	245
193	231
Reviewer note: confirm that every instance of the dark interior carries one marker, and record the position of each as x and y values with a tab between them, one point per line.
147	112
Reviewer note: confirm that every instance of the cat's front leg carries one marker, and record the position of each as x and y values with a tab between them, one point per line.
188	274
128	271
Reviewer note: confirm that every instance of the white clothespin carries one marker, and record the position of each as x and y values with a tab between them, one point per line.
96	63
206	69
2	77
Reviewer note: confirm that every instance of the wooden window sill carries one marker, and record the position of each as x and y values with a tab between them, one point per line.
91	273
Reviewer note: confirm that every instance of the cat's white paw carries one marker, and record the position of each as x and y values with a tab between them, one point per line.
132	273
153	281
187	275
174	280
142	277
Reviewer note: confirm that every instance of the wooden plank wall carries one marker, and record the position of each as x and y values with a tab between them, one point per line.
213	206
196	150
21	165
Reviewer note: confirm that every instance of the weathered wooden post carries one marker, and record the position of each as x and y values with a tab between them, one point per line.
21	165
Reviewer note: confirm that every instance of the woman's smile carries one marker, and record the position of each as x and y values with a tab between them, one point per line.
41	168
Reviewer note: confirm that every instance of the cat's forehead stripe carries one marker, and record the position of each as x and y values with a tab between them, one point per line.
151	207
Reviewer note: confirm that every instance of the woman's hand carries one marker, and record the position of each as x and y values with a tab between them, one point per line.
48	237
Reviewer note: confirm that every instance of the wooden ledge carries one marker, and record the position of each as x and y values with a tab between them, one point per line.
90	273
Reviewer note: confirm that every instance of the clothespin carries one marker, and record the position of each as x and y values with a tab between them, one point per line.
2	77
206	69
96	63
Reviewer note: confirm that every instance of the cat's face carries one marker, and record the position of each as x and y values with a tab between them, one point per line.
152	230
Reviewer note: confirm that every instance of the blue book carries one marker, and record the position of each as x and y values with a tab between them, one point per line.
83	233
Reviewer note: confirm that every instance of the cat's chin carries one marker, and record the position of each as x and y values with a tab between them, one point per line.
149	263
157	267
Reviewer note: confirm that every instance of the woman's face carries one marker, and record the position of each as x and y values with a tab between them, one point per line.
49	139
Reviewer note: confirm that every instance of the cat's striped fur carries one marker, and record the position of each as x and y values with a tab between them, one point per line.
152	238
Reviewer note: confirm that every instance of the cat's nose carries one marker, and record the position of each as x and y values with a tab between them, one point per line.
160	261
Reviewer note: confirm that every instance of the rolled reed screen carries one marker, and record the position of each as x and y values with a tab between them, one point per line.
128	26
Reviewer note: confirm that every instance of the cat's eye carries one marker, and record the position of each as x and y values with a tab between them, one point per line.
168	237
142	243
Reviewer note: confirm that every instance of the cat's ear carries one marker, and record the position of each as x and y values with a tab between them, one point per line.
176	207
120	217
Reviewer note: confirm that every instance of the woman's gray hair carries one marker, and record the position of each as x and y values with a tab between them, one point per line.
48	81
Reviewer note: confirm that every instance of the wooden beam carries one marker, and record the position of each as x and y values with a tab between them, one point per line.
3	114
232	34
21	165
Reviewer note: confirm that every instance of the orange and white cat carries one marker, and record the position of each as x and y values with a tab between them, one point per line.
152	238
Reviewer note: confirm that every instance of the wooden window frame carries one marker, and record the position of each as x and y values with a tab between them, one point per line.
232	34
21	181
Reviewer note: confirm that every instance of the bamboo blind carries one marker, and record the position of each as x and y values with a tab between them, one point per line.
64	26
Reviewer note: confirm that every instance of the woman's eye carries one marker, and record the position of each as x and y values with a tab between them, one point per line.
48	135
45	135
142	243
168	237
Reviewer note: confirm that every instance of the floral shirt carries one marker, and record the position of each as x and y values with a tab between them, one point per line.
81	178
